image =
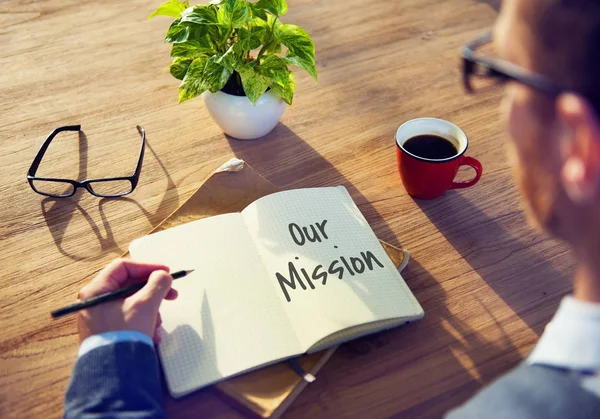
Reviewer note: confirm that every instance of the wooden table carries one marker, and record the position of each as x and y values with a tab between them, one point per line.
487	281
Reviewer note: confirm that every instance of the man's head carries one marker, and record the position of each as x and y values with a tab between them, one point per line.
557	140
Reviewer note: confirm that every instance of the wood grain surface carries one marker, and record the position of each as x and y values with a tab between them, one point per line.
487	281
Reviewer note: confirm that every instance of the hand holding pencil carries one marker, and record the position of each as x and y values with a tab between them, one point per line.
138	311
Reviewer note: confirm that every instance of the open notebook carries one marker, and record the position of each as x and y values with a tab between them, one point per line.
294	272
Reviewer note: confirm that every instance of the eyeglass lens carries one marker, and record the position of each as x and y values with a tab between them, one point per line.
111	187
53	188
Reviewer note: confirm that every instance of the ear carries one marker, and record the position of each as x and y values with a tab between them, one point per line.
580	159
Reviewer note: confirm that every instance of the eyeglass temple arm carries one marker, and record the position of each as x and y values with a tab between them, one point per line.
138	168
504	69
40	154
481	40
467	53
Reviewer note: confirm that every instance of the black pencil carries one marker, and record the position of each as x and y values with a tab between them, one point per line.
109	296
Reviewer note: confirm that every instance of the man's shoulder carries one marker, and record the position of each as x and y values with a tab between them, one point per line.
532	392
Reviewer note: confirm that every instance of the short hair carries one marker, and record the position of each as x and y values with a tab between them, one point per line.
567	38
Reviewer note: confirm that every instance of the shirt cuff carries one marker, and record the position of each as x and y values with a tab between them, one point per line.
572	339
110	338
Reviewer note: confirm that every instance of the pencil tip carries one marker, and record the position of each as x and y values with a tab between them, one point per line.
189	271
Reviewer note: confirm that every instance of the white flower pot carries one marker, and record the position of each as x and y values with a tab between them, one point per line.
240	119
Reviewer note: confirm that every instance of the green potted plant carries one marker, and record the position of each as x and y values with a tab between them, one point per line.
236	54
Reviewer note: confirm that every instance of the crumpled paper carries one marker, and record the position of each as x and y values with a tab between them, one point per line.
232	165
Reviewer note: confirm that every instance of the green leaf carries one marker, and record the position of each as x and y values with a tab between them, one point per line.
271	22
215	75
254	83
277	7
286	89
301	50
231	58
259	32
183	32
201	20
179	67
220	33
192	84
200	15
197	32
250	39
274	48
307	65
177	32
171	8
233	13
274	22
257	12
192	49
272	63
281	79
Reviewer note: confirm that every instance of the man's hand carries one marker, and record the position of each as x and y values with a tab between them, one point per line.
137	312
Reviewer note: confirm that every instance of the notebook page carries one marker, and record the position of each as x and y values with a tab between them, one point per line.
319	233
227	318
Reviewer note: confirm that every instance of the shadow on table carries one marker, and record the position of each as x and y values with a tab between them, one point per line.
461	354
463	359
443	352
438	352
60	212
304	166
499	258
168	202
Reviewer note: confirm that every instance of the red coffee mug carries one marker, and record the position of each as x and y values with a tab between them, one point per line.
429	178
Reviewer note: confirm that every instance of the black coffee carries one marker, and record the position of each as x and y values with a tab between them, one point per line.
430	147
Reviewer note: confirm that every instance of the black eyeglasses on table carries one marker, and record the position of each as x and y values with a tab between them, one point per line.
63	188
481	71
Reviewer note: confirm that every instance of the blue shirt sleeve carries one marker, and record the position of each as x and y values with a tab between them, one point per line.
117	376
108	338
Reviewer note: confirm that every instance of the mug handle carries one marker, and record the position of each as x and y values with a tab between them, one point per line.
474	163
